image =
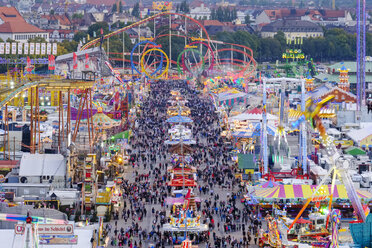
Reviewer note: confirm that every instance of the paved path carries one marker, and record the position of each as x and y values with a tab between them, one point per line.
148	220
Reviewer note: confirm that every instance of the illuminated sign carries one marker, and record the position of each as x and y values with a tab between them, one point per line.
154	46
196	39
293	54
162	5
144	38
189	47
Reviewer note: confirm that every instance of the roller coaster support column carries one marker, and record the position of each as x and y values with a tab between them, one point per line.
31	102
88	123
60	121
68	113
303	134
264	130
91	112
6	129
170	40
80	112
36	119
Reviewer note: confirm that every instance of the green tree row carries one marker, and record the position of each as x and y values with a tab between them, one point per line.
224	14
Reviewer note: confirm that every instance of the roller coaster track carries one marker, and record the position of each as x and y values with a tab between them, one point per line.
95	41
251	63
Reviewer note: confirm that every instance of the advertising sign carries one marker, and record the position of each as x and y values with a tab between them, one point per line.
55	48
26	48
19	229
43	48
55	229
20	46
49	48
58	239
14	48
7	48
32	48
37	48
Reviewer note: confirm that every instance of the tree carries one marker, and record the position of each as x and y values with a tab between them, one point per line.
114	8
136	10
247	19
120	7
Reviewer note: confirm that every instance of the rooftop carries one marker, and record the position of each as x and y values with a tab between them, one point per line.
19	27
292	26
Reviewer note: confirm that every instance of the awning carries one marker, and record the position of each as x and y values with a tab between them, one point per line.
352	150
305	191
179	119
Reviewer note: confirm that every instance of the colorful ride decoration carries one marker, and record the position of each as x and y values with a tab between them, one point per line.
162	5
165	70
241	66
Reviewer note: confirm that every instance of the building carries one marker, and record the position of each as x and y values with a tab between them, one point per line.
55	22
362	137
13	26
332	74
320	16
341	96
43	169
292	29
201	12
59	35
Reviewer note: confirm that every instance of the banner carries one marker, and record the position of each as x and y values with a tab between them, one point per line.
74	63
37	48
49	48
32	48
52	63
2	48
43	48
14	48
20	48
55	47
58	239
25	50
86	61
7	48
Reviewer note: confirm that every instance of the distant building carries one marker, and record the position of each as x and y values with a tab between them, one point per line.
13	26
43	168
292	29
321	16
200	12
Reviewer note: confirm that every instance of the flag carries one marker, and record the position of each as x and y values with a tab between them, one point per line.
109	27
86	61
94	34
295	41
75	61
51	63
302	40
88	38
101	31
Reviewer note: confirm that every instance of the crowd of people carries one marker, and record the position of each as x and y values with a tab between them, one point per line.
143	211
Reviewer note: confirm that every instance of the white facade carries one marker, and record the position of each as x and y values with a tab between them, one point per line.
43	168
23	37
262	18
201	12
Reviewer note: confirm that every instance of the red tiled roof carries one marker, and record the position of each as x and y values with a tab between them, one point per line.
103	2
10	14
19	27
212	23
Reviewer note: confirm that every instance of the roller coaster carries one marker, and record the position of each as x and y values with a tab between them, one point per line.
201	55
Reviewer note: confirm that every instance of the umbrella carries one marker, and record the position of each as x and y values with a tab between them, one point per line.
269	184
179	119
303	221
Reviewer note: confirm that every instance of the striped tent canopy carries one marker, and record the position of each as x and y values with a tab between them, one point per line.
305	191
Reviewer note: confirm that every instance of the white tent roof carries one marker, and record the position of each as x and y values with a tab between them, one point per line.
42	164
246	116
358	134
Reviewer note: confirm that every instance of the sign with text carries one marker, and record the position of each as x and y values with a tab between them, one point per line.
19	229
56	229
58	239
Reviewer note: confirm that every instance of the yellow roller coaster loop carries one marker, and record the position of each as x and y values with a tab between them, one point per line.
165	69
